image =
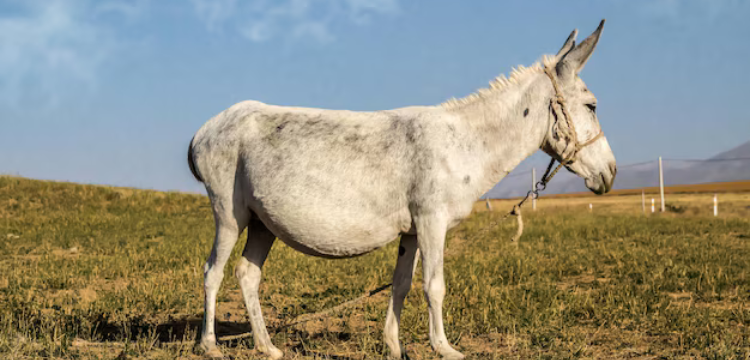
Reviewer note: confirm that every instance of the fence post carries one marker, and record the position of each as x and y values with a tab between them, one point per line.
533	188
716	205
489	206
643	201
661	184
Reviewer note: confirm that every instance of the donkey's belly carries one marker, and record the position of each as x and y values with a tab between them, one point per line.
334	237
336	249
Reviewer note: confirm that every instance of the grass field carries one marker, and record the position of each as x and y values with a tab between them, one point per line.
98	273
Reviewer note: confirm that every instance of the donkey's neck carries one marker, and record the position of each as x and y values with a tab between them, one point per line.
510	123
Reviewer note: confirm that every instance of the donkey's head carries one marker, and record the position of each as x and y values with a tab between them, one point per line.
574	136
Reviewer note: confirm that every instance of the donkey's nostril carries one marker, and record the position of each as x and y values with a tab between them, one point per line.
613	169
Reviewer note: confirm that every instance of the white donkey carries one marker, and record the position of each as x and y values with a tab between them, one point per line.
338	183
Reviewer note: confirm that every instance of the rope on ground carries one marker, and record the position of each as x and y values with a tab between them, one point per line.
313	316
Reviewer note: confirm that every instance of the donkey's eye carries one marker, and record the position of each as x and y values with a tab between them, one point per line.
592	107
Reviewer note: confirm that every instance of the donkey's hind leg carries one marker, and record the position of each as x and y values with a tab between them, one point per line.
230	221
402	276
248	272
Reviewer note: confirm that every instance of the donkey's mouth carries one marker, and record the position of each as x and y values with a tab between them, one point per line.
599	184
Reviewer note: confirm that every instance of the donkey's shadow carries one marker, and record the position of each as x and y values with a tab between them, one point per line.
171	330
188	330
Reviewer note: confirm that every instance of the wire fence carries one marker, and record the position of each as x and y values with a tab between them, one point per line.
634	176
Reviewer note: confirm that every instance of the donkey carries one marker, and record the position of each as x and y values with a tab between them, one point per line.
337	183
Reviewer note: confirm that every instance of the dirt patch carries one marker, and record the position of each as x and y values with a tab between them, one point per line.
87	295
27	257
83	296
491	345
119	284
147	350
580	280
680	296
723	305
71	252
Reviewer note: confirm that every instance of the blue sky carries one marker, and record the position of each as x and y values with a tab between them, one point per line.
110	92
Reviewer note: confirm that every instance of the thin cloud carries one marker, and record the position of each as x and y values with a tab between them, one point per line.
261	21
214	13
48	46
128	9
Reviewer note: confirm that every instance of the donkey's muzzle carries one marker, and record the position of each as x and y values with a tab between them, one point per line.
603	182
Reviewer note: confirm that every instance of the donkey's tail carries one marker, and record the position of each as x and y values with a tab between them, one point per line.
191	161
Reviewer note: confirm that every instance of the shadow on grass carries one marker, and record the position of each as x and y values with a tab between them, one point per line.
188	330
179	329
300	347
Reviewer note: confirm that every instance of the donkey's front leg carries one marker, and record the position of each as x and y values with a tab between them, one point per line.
431	240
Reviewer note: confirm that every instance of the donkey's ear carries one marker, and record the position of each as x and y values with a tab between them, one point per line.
570	42
573	62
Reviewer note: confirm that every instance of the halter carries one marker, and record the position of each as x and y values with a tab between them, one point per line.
557	106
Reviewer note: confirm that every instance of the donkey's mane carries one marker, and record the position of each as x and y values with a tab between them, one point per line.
502	82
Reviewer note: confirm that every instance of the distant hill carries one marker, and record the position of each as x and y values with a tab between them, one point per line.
742	151
731	165
727	166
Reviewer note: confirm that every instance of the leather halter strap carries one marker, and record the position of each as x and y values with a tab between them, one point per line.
557	104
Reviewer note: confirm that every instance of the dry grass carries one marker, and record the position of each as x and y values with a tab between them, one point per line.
717	187
98	273
731	205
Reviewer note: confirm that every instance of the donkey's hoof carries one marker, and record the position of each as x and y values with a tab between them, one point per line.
214	353
272	353
451	354
211	352
400	355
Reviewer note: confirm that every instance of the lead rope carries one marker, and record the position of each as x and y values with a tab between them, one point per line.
540	186
557	105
